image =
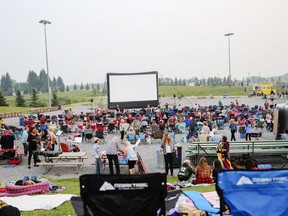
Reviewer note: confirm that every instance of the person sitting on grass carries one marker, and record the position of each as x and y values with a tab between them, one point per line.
203	172
185	171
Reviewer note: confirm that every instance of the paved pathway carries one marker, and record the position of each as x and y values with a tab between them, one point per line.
148	152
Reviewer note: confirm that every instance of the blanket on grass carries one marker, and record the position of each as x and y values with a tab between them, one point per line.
31	203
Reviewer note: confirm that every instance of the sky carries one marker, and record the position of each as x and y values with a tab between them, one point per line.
178	38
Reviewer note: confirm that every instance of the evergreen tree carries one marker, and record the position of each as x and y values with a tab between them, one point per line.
175	81
92	86
54	84
34	98
43	81
33	80
81	86
67	88
87	87
6	84
3	101
98	88
24	87
224	81
20	101
75	86
60	84
54	101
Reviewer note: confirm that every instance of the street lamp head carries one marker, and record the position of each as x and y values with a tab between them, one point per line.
229	34
44	22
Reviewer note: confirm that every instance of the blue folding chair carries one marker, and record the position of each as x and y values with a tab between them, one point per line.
142	137
131	138
220	124
254	192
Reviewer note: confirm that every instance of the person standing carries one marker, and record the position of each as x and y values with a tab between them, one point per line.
112	147
268	120
123	128
168	149
24	139
233	129
32	147
192	129
97	153
266	104
226	147
130	154
248	130
217	167
53	138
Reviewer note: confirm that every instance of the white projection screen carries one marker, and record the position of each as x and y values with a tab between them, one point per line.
132	90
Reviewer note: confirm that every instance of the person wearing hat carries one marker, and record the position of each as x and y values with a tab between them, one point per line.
97	153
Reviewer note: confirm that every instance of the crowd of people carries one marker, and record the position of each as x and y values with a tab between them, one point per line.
200	123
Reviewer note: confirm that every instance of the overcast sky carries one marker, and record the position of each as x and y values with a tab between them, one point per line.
177	38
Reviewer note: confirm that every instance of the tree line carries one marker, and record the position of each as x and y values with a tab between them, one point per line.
38	83
35	84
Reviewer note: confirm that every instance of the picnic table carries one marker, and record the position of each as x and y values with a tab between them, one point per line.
74	159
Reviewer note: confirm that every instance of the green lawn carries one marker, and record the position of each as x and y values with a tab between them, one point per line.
169	91
73	187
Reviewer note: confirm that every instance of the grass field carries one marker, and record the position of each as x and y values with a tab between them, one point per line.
73	187
84	96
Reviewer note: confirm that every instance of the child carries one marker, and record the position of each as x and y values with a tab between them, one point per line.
98	156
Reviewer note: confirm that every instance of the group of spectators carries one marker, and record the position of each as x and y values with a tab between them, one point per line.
36	138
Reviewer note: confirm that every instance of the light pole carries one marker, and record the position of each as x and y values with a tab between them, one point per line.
228	35
45	22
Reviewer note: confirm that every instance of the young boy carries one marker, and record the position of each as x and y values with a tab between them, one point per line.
98	156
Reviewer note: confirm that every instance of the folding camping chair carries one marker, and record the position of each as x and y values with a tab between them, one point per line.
132	138
257	192
142	137
105	195
65	147
88	134
100	131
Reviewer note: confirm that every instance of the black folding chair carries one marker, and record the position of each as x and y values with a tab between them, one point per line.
122	195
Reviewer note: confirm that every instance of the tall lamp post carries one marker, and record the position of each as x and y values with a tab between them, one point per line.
45	22
228	35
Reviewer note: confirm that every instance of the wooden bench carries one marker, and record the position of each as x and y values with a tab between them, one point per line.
49	166
259	148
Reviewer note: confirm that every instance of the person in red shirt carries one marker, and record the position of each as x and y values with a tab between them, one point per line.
42	119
